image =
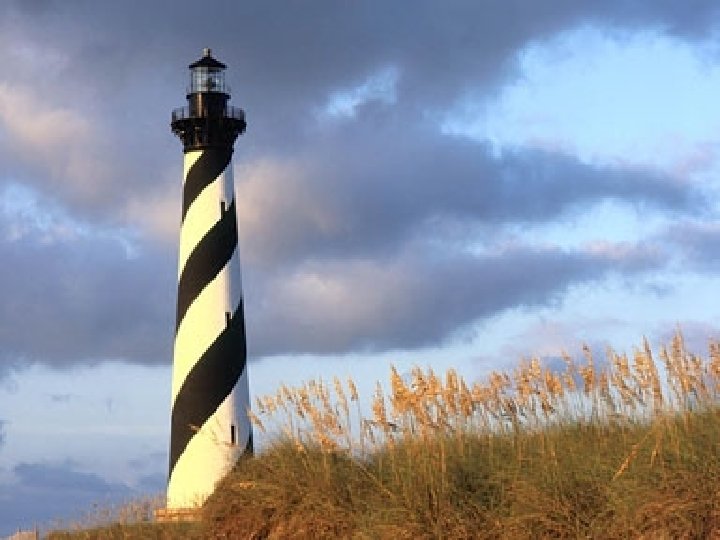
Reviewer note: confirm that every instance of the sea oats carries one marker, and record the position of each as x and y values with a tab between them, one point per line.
588	376
378	407
434	384
570	372
553	384
255	420
353	390
466	401
260	405
535	370
399	393
547	408
270	404
713	367
419	383
450	394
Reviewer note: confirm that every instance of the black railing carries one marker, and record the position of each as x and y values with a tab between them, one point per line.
182	113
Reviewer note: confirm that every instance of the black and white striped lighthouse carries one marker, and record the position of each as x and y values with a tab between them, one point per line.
209	427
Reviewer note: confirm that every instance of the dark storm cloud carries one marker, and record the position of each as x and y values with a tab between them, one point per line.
122	73
409	180
44	493
125	71
418	299
329	205
84	299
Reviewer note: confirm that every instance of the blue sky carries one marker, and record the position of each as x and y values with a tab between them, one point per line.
456	187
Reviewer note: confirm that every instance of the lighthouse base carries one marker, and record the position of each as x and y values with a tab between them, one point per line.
177	515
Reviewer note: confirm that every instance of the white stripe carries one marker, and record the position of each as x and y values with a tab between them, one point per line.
229	186
188	161
201	216
209	455
205	320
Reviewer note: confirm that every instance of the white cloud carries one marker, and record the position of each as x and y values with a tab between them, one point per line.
30	121
22	215
380	86
156	211
277	206
25	215
644	99
61	143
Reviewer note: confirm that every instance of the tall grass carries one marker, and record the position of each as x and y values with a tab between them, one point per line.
623	447
133	519
618	447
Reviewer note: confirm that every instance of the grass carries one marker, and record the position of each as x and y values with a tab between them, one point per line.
626	447
134	519
122	531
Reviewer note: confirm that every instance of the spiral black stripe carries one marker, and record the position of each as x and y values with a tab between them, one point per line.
206	261
207	385
204	172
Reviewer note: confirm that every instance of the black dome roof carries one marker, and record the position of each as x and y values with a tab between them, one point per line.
208	61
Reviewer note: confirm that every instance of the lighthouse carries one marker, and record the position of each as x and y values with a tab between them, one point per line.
210	428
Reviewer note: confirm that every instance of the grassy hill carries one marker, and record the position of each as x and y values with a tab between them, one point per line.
624	447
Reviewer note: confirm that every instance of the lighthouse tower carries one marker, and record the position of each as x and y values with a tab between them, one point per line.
210	427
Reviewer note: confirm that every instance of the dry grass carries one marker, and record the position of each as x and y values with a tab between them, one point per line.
533	397
134	519
622	447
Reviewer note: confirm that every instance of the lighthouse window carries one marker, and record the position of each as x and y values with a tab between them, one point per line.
232	433
222	207
198	78
227	318
205	79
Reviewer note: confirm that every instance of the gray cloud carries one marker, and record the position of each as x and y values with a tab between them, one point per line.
43	476
122	73
696	244
85	300
418	299
44	494
327	205
407	179
152	483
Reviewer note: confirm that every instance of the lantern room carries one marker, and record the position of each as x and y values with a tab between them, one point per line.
207	75
207	120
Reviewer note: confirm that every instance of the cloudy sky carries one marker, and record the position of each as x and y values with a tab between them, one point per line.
435	183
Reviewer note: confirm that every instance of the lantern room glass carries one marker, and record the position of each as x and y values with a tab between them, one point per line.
205	79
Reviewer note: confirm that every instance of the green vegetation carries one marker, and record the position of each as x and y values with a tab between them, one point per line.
624	448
